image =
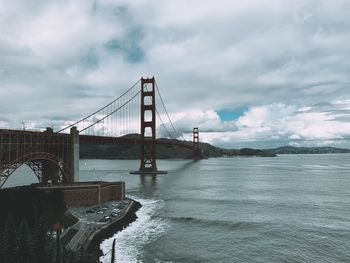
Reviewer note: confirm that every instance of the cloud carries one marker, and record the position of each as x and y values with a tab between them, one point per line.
61	60
279	124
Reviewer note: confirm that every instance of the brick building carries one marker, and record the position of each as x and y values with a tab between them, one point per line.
89	193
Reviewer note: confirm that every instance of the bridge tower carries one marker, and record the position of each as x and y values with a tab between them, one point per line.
48	169
74	156
148	163
148	123
197	152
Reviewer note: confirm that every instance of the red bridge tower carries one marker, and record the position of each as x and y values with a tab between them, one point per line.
148	163
197	152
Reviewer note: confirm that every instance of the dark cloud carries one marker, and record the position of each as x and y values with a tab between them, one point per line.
129	47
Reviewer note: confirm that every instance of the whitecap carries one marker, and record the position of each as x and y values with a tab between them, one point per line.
130	241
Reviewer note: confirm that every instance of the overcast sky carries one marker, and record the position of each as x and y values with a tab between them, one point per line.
248	73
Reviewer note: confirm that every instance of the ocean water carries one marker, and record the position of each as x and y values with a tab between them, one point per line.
292	208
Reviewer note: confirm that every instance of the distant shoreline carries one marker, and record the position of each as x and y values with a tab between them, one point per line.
125	152
307	150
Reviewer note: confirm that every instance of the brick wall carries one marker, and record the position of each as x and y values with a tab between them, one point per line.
90	193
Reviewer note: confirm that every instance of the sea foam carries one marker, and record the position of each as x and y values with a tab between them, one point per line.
130	241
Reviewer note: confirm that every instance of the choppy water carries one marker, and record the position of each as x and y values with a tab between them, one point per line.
292	208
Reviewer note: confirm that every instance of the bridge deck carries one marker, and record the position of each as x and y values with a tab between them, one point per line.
48	153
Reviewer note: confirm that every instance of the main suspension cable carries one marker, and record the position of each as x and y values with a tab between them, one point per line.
161	99
120	107
85	118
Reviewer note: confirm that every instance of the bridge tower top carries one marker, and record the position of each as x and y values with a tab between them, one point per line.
195	138
197	152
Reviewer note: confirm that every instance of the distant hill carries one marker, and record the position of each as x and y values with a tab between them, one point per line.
306	150
126	152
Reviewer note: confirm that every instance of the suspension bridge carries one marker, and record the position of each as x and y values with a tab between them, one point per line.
54	155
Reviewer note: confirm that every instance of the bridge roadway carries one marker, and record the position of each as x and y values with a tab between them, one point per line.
48	153
31	138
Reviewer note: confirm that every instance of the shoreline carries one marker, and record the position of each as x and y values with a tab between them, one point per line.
110	229
89	235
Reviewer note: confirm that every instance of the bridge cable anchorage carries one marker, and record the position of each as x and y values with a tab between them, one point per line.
101	109
161	99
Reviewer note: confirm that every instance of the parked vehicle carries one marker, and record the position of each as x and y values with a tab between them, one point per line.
114	214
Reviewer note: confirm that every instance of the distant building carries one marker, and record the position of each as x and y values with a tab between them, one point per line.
89	193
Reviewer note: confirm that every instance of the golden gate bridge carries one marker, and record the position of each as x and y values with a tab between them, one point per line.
54	155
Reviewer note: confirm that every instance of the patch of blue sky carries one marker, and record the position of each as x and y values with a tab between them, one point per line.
231	115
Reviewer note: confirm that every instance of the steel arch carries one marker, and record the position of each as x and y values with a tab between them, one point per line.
32	160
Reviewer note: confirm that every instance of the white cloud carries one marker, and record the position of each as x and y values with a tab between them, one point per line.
272	125
60	60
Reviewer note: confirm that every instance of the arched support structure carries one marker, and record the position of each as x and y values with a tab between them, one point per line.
36	162
52	157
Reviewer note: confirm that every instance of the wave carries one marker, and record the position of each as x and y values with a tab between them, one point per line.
221	201
130	241
220	223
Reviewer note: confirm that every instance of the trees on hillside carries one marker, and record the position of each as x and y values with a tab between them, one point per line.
20	244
